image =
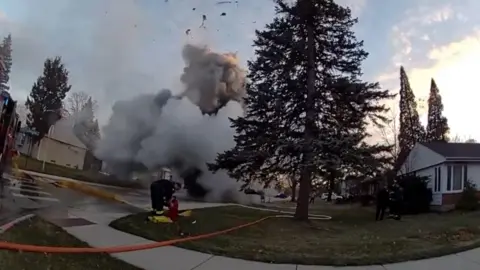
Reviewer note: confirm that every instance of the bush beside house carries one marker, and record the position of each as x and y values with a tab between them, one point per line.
468	200
417	196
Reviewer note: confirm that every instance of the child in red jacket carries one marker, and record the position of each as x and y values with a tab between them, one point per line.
173	209
173	214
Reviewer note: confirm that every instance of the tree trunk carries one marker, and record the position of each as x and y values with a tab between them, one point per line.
331	184
293	188
301	212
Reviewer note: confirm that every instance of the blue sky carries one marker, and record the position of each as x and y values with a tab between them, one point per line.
116	49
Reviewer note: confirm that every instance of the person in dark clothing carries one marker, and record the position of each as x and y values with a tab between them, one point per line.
161	192
382	203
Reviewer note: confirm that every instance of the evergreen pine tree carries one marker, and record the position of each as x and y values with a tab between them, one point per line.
6	59
411	130
354	103
287	127
437	127
46	97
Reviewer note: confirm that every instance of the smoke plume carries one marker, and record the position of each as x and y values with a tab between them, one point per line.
180	132
85	128
212	79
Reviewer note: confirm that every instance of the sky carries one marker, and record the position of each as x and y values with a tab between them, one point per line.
116	49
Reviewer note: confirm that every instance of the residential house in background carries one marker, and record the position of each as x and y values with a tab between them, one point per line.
60	146
448	165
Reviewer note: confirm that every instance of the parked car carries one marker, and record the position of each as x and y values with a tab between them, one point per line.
335	196
281	196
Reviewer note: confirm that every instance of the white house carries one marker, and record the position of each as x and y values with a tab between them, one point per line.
60	146
447	165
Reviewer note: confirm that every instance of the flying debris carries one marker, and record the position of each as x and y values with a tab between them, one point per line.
204	18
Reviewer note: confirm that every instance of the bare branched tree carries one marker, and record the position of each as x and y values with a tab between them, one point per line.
388	132
462	139
76	102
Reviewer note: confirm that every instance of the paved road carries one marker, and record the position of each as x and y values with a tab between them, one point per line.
62	206
21	196
141	198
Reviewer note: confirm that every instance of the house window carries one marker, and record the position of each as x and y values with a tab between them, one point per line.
437	187
456	177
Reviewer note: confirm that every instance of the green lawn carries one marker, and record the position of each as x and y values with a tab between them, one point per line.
36	231
352	237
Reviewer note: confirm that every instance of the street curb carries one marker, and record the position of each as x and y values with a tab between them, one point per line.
12	223
85	188
89	190
57	178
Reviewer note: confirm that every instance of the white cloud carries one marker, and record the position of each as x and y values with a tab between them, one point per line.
416	28
442	14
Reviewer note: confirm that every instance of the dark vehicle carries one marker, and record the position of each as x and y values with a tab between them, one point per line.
281	196
250	191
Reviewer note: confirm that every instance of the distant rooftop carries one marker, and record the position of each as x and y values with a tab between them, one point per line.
455	150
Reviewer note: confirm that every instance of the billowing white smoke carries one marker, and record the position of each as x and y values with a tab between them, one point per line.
84	128
159	130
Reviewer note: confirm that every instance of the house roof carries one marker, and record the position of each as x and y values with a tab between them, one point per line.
63	132
455	150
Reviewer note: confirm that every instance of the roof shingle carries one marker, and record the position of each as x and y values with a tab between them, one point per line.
455	150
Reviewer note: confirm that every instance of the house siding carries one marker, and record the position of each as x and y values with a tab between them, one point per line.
474	174
60	147
420	158
59	153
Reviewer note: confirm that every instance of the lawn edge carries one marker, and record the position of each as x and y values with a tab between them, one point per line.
440	252
7	226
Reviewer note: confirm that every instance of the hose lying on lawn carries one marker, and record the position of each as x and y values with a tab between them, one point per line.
120	249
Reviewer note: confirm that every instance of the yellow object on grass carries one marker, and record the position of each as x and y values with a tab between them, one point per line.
160	219
165	219
185	213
